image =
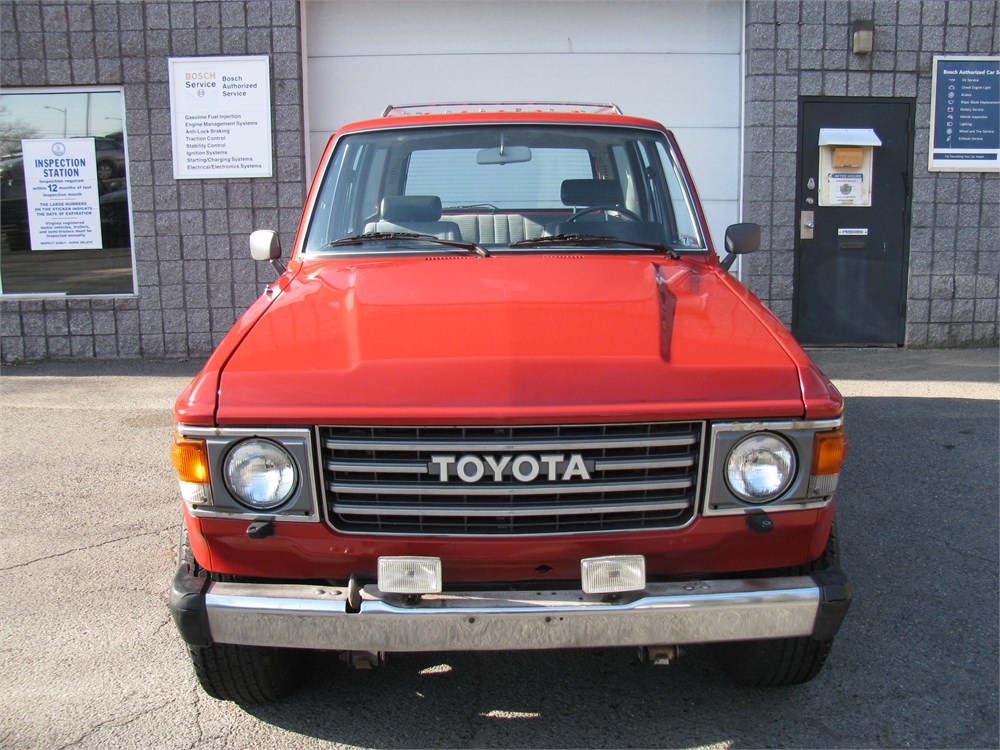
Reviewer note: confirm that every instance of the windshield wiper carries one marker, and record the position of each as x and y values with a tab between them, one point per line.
361	239
472	207
592	239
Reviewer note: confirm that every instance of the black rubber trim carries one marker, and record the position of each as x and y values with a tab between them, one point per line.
187	601
835	600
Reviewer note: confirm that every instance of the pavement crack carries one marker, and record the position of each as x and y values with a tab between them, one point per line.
990	562
116	722
83	548
166	621
196	698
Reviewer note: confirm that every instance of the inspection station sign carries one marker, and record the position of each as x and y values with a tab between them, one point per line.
60	182
220	111
965	115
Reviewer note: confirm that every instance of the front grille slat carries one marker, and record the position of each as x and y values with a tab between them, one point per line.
507	447
548	510
371	467
404	480
504	490
626	465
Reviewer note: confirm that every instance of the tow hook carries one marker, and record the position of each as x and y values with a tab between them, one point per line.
659	655
363	659
353	594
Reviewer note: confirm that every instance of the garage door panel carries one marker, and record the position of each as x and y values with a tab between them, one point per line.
712	155
405	27
719	215
674	61
667	87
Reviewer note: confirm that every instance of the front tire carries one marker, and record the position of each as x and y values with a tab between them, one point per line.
246	674
777	663
783	661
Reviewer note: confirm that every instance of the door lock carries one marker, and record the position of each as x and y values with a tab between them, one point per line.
807	223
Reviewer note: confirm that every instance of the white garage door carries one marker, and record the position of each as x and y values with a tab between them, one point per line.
675	61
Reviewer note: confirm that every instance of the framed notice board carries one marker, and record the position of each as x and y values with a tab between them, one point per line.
965	115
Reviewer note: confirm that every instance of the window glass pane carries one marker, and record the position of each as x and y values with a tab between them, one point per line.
459	180
688	234
64	217
501	186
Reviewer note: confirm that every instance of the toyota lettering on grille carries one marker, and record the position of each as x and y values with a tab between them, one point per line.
552	467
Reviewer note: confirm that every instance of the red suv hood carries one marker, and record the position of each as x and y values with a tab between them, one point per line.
514	338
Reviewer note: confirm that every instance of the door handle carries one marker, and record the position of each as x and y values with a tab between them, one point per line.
807	223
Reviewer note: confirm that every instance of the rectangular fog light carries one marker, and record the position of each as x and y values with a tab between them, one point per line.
613	575
409	575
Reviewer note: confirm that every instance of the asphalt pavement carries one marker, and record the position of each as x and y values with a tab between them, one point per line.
89	657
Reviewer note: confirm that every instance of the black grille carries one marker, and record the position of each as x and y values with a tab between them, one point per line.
510	480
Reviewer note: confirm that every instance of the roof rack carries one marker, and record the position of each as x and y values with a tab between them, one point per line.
400	110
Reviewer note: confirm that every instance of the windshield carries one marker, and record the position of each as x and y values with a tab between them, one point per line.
504	186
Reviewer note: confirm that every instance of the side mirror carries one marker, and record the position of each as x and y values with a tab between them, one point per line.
265	246
741	239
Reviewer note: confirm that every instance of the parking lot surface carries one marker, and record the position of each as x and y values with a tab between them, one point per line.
89	657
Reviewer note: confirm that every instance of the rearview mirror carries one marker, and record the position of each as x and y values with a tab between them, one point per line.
504	155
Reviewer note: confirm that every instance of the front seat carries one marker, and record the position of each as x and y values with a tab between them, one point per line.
413	213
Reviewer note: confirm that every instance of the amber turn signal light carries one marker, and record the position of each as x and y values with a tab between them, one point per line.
829	452
190	459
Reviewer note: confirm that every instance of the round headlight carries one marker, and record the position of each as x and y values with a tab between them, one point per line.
260	474
760	468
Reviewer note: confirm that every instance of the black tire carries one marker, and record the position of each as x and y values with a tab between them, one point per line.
777	663
106	169
782	661
246	674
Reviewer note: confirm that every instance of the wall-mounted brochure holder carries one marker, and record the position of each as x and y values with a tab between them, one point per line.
845	166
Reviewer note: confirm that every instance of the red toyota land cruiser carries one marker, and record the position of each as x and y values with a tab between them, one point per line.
505	396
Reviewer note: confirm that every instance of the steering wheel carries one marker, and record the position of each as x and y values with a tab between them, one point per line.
622	212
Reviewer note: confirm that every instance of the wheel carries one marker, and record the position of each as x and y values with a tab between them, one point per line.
246	674
782	661
777	663
106	169
622	212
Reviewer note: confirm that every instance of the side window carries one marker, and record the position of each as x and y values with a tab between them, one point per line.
372	188
626	178
65	224
455	176
349	195
681	206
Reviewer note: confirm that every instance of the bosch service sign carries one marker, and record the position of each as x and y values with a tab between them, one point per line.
220	113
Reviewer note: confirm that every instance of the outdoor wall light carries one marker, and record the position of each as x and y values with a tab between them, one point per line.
862	37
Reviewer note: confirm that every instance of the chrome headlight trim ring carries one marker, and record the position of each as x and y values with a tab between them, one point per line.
260	473
760	467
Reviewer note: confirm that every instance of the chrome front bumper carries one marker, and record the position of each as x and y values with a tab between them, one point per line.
318	617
